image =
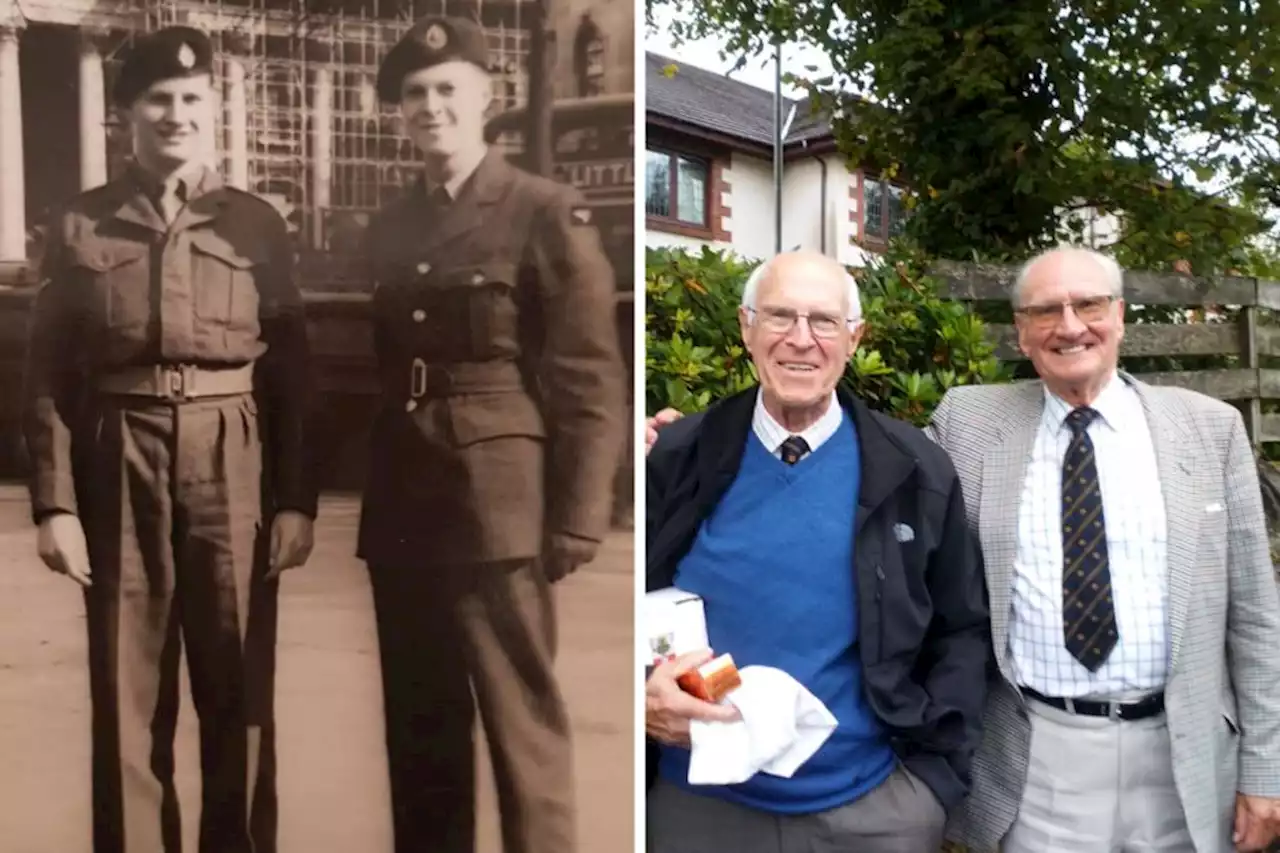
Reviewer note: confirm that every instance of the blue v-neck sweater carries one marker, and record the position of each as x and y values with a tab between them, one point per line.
774	566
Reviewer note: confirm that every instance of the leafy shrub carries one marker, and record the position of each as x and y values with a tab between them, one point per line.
916	344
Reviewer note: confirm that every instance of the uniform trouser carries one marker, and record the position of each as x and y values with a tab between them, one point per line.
171	509
442	633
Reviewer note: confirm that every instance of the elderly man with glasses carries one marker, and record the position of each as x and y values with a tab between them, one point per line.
830	542
1135	696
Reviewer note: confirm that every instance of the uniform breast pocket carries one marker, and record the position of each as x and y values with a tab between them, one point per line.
223	280
119	278
492	307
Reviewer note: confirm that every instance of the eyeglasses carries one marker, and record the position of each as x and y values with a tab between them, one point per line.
1091	309
782	320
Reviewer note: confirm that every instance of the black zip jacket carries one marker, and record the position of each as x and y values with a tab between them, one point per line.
924	629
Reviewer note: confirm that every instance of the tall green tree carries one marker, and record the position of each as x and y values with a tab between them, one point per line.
1001	115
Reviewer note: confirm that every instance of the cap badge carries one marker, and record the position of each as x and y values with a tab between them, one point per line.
186	57
436	37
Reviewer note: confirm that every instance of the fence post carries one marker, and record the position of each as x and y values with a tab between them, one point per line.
1252	408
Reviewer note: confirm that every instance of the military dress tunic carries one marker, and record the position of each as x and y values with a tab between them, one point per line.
166	406
499	434
502	383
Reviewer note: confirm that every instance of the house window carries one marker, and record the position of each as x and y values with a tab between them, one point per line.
676	187
884	214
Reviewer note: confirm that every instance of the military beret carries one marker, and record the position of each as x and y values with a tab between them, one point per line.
429	42
163	55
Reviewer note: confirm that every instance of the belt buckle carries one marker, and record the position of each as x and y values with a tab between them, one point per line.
1069	704
177	381
1114	710
418	379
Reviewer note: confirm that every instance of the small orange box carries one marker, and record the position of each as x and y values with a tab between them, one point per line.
712	681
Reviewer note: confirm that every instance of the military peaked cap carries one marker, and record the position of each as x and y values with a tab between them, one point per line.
163	55
429	42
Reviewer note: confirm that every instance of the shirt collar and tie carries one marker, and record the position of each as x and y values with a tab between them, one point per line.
173	193
790	448
447	192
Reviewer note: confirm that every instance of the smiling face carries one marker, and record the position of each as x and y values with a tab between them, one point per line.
798	334
172	120
1070	323
444	107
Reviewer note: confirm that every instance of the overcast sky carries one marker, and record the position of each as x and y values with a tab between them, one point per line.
758	71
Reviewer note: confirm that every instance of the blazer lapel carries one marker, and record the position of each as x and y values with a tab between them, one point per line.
1004	470
1182	522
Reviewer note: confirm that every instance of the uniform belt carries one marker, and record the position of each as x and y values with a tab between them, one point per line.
177	382
427	381
1148	706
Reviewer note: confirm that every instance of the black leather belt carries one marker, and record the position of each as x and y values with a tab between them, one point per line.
1146	707
434	381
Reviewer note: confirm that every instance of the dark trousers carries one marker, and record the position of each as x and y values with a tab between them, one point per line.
172	513
444	633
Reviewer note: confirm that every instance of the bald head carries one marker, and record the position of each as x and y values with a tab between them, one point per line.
1066	261
808	265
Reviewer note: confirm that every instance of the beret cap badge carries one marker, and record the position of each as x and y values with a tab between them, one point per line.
186	56
436	37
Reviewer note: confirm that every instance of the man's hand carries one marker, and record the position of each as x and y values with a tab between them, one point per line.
565	554
657	422
61	545
668	709
1257	823
292	539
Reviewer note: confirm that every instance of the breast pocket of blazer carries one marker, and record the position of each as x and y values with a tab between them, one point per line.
118	278
224	280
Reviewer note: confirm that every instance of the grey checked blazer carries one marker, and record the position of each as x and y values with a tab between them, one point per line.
1223	688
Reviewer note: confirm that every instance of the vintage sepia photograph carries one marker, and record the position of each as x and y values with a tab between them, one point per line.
316	426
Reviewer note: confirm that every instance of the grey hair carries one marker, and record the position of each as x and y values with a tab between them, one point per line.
1110	269
761	272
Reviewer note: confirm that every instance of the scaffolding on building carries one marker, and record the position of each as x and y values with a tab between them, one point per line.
299	98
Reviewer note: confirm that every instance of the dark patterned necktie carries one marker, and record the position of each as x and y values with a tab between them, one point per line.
794	448
1088	614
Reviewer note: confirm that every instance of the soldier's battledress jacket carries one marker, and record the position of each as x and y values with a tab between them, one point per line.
122	289
502	383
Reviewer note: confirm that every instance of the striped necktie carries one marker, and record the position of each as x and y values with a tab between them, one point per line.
1088	612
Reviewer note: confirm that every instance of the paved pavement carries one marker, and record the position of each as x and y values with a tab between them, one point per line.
333	786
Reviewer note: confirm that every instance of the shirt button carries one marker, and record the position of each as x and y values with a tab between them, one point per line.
424	268
411	405
419	315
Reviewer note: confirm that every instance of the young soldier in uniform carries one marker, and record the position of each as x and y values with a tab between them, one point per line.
493	455
165	404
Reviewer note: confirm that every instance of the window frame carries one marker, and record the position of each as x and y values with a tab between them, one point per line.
673	153
882	235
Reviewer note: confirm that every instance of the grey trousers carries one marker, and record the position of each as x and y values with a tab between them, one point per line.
900	816
1096	785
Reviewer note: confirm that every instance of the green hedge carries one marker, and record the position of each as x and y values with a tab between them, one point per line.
916	346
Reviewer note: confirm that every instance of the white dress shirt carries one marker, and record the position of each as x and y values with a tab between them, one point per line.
772	434
1133	507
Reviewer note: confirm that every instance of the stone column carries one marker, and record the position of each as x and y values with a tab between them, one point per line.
13	193
93	110
237	111
322	153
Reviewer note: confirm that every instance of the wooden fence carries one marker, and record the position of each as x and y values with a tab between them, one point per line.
1247	386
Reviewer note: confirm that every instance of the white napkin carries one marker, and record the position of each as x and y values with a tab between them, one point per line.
782	726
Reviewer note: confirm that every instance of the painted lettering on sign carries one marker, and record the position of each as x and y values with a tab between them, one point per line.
597	174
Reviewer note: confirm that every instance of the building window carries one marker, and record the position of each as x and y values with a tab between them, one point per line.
884	214
676	188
